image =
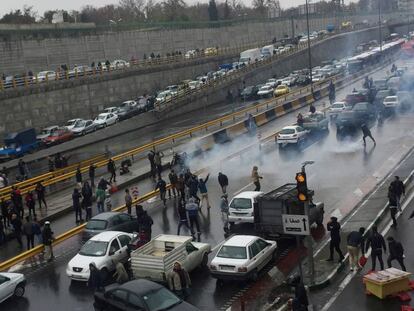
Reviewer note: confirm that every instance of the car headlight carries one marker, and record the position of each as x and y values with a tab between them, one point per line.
242	269
213	267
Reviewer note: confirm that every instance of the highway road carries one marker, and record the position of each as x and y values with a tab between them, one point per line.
342	166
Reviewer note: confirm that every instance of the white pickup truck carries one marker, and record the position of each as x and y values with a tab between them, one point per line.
155	259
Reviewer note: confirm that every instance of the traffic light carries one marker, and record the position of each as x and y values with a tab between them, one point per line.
301	186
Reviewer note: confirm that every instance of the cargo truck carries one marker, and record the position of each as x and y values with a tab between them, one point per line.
250	56
271	206
18	144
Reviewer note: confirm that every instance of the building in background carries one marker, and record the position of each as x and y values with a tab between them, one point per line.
312	8
406	5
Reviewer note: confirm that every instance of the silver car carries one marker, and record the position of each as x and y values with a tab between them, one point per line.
83	127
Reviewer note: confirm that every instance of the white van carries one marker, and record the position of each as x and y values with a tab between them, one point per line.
241	207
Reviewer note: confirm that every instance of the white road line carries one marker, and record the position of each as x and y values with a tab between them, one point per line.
350	276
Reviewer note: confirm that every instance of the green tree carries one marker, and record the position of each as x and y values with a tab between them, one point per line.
212	10
27	16
226	10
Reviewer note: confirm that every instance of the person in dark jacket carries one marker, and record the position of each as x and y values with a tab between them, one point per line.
377	243
392	205
396	251
30	203
128	201
312	108
87	199
162	186
41	194
95	278
28	232
47	236
103	184
16	198
182	215
172	176
223	182
146	224
181	186
76	197
17	228
112	170
91	172
151	156
334	228
366	133
399	190
355	242
301	296
192	185
202	186
78	176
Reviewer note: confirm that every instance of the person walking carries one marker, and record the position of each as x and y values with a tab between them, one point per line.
399	190
87	199
158	162
202	186
78	176
41	194
112	170
146	224
50	164
392	205
182	217
17	228
47	236
396	252
30	203
128	201
28	232
256	178
16	198
355	242
224	209
21	166
76	202
334	228
162	186
301	301
179	281
150	157
192	185
366	132
180	186
95	279
312	109
91	172
100	200
192	212
377	243
223	182
172	176
37	231
103	184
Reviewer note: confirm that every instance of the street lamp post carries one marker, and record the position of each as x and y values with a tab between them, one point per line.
309	46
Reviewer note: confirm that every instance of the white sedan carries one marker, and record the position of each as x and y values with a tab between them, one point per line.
242	257
265	91
46	75
291	135
105	250
337	107
11	284
391	102
105	119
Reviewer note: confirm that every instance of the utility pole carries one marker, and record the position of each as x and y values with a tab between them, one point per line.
309	46
379	25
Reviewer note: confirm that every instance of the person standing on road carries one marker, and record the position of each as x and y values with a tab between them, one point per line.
172	176
223	182
162	186
181	187
2	234
50	164
5	212
87	199
312	109
17	229
112	170
377	243
47	236
355	242
151	156
28	232
334	228
202	186
146	224
158	162
41	194
399	190
392	205
366	133
21	165
30	203
192	212
182	214
179	281
103	184
16	198
256	178
78	176
224	209
95	278
76	197
100	200
91	172
396	251
192	185
128	201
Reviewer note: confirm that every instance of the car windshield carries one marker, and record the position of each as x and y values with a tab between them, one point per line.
56	133
96	224
241	203
337	106
287	131
160	299
80	124
236	252
94	248
71	122
281	87
102	117
45	132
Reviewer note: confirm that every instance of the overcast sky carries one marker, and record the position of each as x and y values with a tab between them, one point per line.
43	5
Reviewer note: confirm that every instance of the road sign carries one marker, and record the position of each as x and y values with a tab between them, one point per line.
296	224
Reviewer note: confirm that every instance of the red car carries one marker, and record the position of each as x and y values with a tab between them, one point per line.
59	136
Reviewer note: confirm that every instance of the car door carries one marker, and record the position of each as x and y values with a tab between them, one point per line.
265	250
5	288
124	240
115	253
254	255
135	303
117	300
88	126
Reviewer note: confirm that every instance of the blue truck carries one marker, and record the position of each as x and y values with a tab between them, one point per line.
18	144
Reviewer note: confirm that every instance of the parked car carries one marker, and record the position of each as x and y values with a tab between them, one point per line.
141	294
105	119
105	250
109	221
391	102
380	84
265	91
190	54
281	90
71	123
80	71
249	92
163	96
113	110
194	85
120	63
241	207
294	134
303	80
210	51
60	135
83	127
46	132
272	82
47	75
126	111
242	257
11	284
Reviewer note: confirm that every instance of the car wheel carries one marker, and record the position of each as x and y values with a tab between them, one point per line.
105	125
19	290
83	133
204	261
231	223
254	276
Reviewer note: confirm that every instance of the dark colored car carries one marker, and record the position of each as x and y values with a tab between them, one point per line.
249	92
140	295
357	97
359	114
303	80
380	84
126	112
109	221
379	97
